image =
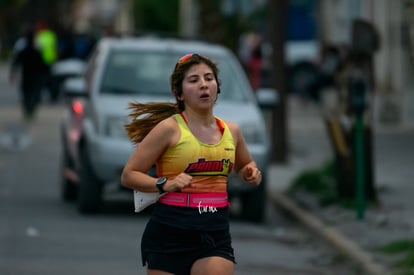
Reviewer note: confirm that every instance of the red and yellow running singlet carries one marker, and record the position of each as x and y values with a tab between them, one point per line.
208	164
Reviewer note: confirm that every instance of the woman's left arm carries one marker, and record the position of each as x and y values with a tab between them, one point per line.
244	166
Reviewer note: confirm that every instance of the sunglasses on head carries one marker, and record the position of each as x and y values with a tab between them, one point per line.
187	57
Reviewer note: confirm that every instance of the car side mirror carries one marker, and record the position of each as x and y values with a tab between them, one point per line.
267	98
74	87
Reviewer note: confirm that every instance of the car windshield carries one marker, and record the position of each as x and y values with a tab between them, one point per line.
148	73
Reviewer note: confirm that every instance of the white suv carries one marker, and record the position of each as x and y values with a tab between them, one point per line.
95	147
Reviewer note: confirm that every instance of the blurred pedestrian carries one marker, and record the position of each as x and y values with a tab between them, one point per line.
251	57
47	42
194	152
20	44
248	42
254	68
28	65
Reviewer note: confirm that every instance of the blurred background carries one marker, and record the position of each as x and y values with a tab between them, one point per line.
312	53
310	26
295	44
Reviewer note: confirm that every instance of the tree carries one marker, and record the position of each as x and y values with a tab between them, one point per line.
156	15
277	36
9	26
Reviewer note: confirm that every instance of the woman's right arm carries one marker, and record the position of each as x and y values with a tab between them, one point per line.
134	176
148	151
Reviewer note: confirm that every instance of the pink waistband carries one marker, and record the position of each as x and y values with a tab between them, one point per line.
217	199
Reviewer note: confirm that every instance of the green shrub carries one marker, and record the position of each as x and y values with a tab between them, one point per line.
319	182
406	249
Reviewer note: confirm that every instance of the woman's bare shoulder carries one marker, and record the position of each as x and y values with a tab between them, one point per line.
168	130
233	127
167	125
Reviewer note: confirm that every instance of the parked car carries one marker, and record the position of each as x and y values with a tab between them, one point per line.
62	70
95	147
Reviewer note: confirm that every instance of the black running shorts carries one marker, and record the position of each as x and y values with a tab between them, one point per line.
174	250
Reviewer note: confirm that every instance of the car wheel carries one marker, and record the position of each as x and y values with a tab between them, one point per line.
90	187
69	189
253	206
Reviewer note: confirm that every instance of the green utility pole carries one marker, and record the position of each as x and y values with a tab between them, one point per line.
359	166
358	90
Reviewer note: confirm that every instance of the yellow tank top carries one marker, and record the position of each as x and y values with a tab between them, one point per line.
208	164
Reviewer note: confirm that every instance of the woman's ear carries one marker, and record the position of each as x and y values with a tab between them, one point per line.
177	96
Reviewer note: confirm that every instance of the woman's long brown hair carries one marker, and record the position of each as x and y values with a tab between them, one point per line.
146	115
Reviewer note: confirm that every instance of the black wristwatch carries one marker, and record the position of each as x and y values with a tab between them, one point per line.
160	184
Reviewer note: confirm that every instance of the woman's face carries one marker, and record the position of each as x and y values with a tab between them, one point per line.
199	87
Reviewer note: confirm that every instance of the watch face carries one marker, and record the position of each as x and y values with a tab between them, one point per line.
160	183
161	180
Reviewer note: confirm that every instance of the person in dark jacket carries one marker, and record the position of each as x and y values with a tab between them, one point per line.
29	65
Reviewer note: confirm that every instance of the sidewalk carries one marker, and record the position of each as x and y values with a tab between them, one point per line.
393	169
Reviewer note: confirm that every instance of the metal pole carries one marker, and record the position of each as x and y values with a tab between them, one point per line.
277	36
124	20
359	167
358	89
187	20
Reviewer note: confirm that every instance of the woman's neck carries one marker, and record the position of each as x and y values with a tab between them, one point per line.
203	126
203	119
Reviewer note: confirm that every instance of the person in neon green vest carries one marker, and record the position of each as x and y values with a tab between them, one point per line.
46	39
46	42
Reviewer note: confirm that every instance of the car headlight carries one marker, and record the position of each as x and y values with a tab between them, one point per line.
115	127
253	133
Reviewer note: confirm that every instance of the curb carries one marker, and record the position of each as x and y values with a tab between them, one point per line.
343	245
